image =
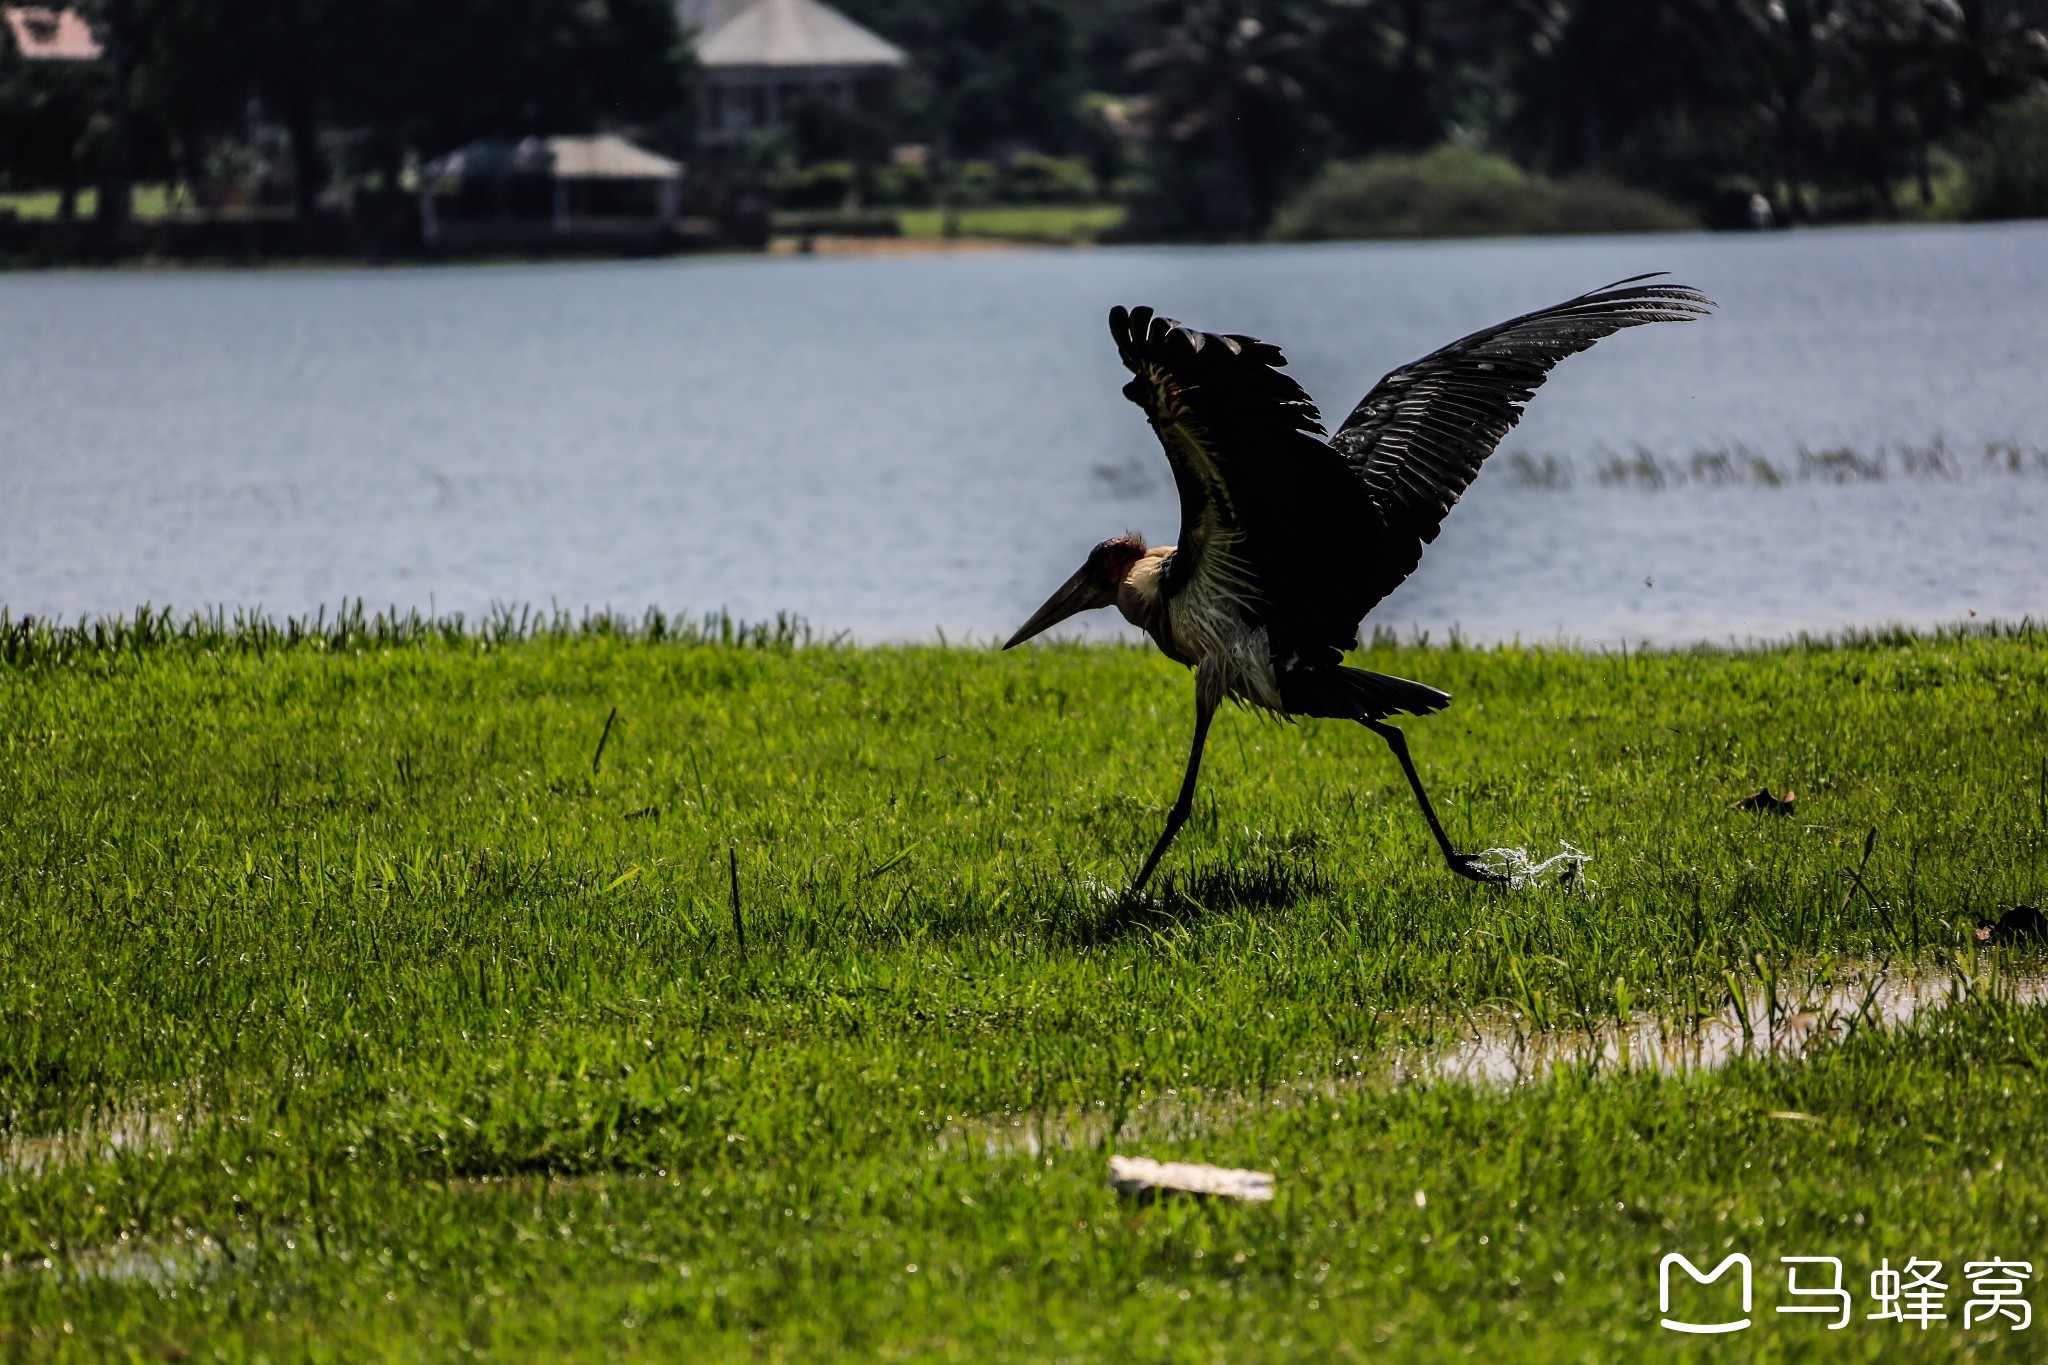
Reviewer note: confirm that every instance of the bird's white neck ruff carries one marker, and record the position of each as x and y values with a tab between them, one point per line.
1212	617
1204	620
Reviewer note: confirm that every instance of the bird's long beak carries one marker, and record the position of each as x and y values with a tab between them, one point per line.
1075	595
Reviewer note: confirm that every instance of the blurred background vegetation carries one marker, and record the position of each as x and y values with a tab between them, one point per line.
1198	119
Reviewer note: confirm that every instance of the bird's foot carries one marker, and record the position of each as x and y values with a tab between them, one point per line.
1469	865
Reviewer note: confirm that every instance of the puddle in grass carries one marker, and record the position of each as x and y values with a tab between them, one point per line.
1784	1019
158	1263
130	1131
154	1128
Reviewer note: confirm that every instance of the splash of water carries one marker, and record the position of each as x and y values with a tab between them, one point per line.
1523	871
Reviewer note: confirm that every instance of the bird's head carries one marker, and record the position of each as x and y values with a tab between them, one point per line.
1093	585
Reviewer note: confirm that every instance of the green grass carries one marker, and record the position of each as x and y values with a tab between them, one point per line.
1055	223
151	201
429	1033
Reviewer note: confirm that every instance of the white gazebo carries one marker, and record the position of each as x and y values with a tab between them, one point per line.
761	58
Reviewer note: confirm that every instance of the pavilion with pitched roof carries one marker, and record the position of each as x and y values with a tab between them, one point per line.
761	59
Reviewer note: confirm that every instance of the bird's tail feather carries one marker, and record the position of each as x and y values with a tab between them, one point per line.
1354	694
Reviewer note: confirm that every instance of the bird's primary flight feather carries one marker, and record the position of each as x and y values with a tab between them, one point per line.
1417	440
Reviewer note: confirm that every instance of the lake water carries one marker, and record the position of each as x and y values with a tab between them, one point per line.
894	447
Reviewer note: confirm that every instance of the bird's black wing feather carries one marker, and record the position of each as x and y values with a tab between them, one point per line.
1417	440
1269	512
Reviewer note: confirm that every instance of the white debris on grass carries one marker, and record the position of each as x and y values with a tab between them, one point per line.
1143	1176
1523	871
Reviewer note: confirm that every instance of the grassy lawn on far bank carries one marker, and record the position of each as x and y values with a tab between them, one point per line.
379	995
151	201
1052	223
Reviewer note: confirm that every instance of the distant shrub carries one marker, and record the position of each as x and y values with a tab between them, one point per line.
1458	192
1034	178
2007	177
823	185
977	182
906	183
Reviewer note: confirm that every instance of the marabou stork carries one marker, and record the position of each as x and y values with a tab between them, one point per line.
1289	538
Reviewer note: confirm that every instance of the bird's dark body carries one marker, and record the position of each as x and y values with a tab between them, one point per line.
1290	536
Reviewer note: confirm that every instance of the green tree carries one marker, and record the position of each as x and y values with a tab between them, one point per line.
1226	110
424	77
987	76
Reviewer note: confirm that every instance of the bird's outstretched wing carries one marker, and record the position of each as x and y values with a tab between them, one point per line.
1417	440
1270	515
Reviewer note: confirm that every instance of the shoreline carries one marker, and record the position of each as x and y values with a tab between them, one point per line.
842	245
830	244
781	246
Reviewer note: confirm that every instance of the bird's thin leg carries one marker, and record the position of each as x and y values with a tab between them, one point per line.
1461	863
1208	693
